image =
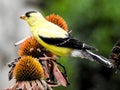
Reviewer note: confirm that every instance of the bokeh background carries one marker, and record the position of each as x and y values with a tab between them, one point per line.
95	22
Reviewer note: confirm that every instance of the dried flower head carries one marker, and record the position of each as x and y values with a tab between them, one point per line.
32	48
28	73
27	69
56	19
30	85
27	76
115	55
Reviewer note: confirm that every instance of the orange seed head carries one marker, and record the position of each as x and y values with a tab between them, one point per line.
56	19
27	69
32	48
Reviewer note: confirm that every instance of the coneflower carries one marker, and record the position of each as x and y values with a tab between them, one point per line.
56	19
28	73
32	48
27	69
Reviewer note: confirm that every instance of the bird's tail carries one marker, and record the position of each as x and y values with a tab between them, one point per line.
91	56
88	47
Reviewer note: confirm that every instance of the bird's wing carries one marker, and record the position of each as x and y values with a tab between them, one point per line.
68	42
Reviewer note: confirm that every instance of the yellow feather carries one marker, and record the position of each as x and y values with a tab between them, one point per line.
60	51
41	27
49	30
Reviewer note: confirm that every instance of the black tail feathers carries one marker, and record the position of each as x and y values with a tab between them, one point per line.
92	57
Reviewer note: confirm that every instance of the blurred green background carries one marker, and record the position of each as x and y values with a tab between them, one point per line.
95	22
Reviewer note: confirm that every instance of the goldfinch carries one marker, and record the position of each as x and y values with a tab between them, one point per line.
58	41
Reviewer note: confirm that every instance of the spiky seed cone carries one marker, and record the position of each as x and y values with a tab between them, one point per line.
115	55
32	48
27	69
56	19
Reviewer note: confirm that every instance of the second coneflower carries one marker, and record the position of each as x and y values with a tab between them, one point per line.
28	74
27	69
56	19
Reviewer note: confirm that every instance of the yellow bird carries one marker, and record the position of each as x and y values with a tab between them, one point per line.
58	41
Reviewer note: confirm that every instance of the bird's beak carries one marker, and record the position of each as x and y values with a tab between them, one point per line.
23	17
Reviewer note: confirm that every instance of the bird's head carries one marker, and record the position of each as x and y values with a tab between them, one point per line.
33	18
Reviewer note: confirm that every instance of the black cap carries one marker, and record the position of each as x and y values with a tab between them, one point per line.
28	13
